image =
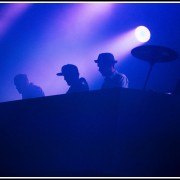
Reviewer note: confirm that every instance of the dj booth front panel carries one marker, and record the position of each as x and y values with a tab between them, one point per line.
103	133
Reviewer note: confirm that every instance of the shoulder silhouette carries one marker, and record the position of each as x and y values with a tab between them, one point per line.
27	89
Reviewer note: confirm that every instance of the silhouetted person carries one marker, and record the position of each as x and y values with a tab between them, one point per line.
112	78
71	76
27	89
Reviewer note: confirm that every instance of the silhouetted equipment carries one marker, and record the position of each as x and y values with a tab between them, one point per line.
154	54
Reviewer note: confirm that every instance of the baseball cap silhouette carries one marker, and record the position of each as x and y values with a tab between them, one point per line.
68	69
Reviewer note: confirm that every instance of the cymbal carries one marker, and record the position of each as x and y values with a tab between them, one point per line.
154	54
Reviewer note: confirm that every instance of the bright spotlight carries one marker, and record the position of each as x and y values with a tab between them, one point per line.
142	33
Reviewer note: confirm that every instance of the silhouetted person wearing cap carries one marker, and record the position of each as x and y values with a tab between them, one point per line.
112	78
71	76
27	89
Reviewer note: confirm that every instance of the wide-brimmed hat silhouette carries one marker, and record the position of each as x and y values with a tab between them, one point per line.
68	69
105	58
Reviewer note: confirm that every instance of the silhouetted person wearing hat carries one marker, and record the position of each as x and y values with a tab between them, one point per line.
71	76
27	89
112	78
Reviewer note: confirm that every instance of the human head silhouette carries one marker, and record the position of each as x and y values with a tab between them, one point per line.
21	82
106	62
70	73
